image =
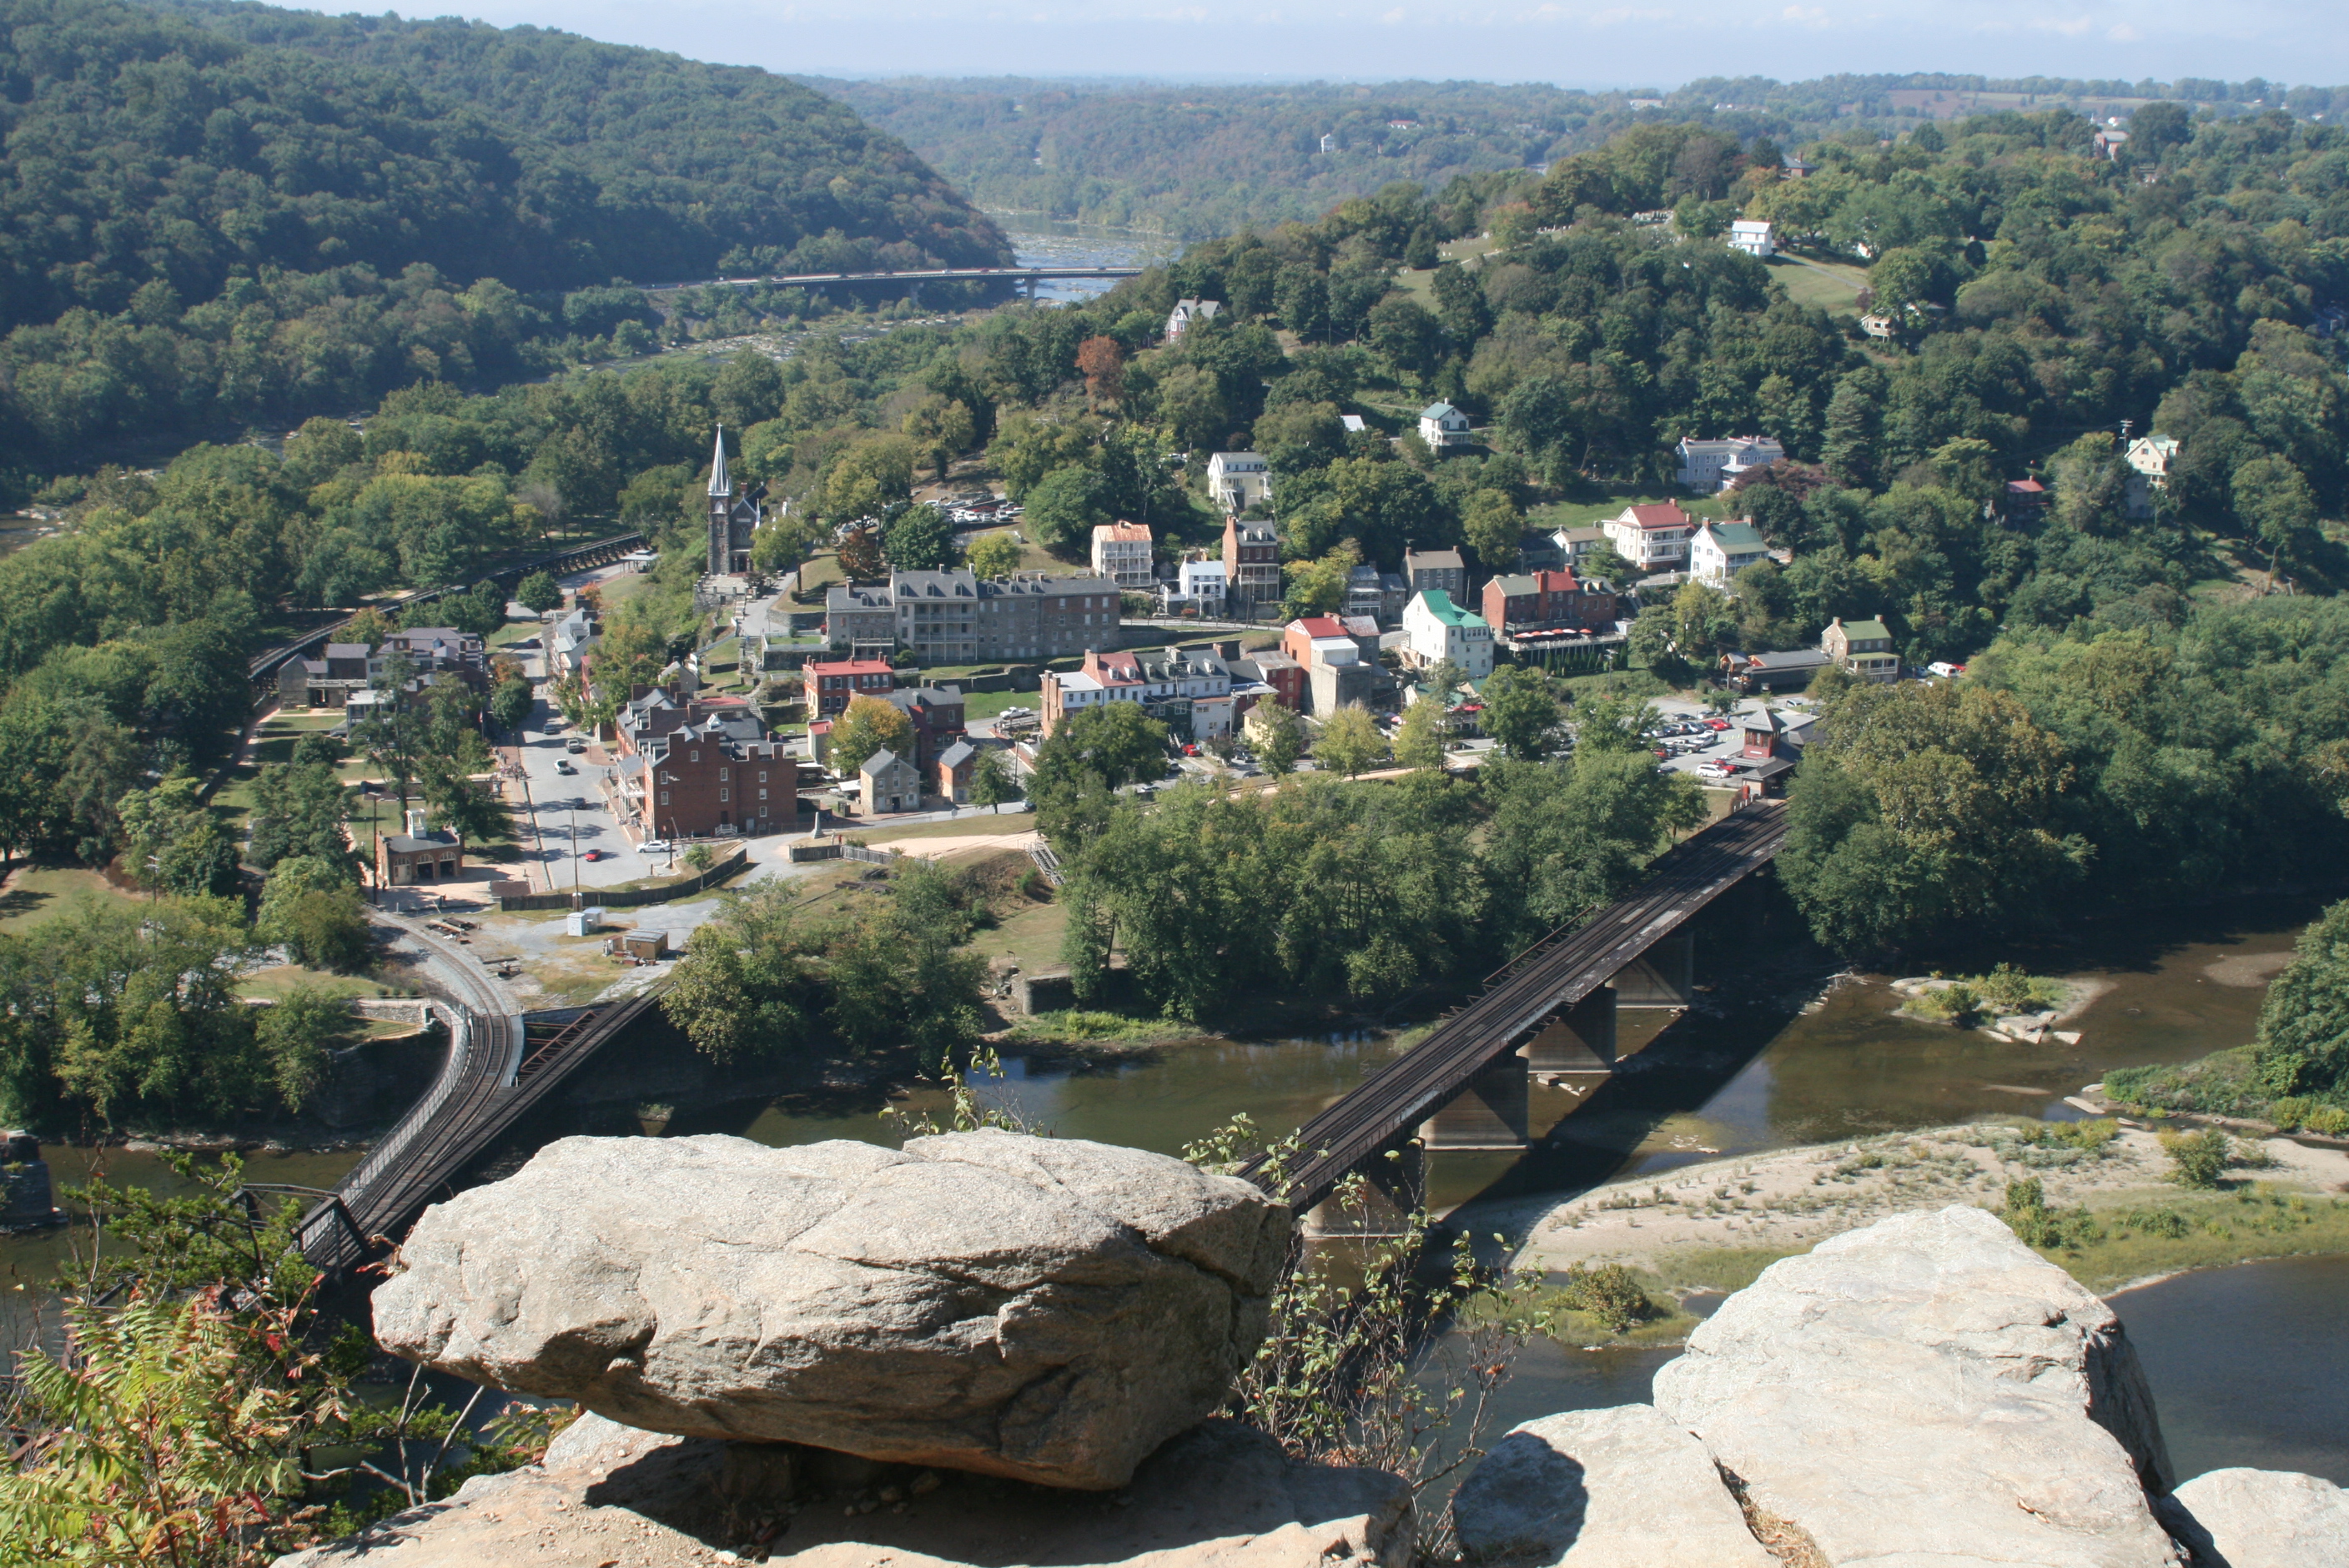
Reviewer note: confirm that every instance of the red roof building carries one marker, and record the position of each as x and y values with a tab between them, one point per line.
831	685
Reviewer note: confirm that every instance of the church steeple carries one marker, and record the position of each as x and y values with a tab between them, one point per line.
719	485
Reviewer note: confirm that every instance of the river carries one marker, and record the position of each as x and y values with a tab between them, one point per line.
1038	241
1779	1065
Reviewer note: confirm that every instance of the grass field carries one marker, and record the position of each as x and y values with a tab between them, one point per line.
1582	513
39	893
1833	287
279	979
978	824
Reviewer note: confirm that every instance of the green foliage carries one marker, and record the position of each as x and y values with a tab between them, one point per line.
993	555
538	593
1607	1292
2197	1159
992	783
173	843
2026	1213
1350	742
1520	711
868	724
1419	739
311	910
919	539
762	979
1279	736
2303	1040
510	704
299	809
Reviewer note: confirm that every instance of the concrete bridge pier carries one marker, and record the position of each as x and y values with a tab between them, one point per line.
1490	1112
1577	1041
1662	976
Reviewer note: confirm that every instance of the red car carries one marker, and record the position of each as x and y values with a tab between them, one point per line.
1716	724
596	855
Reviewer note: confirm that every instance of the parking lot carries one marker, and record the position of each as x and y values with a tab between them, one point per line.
1703	755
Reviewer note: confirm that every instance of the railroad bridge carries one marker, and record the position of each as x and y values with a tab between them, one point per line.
1551	1010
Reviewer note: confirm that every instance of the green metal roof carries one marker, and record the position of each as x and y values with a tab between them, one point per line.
1858	630
1440	605
1735	537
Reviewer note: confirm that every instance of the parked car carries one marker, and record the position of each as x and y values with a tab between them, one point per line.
655	846
563	767
574	745
1947	671
1715	771
596	855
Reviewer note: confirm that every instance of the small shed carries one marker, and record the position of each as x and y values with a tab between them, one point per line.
643	943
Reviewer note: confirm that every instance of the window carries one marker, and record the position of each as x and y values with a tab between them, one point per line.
725	794
664	797
693	756
762	794
725	772
763	775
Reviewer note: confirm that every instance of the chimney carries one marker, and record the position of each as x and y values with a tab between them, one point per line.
419	820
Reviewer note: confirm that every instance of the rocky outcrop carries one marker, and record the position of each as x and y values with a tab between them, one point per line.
1928	1390
1602	1488
2260	1519
1047	1310
1220	1496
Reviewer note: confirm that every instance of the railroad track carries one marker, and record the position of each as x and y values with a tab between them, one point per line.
267	663
494	1074
1556	973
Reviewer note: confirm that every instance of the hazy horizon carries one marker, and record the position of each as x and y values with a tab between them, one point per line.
1595	45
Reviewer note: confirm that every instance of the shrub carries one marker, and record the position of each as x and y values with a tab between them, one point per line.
1609	1293
2290	1111
2330	1120
2197	1159
2026	1213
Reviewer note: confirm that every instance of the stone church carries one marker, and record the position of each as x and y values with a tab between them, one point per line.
732	519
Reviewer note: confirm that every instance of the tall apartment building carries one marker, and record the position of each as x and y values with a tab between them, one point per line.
1251	564
1122	553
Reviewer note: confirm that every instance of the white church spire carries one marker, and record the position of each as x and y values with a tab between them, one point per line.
719	485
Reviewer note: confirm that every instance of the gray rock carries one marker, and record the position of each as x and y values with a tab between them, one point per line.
1049	1310
1928	1390
1219	1496
2260	1519
1602	1488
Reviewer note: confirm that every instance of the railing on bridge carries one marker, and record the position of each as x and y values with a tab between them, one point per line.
1549	1010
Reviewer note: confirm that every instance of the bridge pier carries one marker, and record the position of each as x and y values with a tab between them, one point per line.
1580	1040
1490	1112
1662	976
1396	1178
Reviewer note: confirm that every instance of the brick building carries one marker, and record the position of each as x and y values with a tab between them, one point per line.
832	683
936	715
694	768
1544	601
1251	565
422	856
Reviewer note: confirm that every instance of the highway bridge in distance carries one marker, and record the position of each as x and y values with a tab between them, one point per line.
1030	276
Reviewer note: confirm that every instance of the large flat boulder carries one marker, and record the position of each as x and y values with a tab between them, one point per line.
1047	1310
1929	1391
1219	1496
2261	1518
1602	1488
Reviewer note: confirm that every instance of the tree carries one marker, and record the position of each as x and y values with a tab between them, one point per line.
1117	742
1492	525
1704	620
1278	735
862	480
1318	587
1101	361
510	704
1063	509
298	809
2303	1038
993	555
310	908
861	557
903	977
750	982
990	781
297	1034
919	539
2277	508
174	844
1519	711
538	593
1350	742
1419	741
869	725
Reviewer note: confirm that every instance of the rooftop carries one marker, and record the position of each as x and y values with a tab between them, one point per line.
1663	514
1735	537
1439	604
1122	533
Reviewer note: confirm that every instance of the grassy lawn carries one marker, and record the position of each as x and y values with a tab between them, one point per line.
1030	939
980	824
279	979
988	703
37	892
1833	287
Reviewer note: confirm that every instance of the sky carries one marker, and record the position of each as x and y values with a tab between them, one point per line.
1574	43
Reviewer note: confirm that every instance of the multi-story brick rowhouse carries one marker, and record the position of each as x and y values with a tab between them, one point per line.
699	767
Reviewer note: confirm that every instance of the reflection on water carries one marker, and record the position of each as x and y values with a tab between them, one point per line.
2250	1364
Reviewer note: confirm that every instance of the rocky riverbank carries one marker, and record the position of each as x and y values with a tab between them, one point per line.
1681	1226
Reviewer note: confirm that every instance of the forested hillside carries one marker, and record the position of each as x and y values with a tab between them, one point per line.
1196	160
198	228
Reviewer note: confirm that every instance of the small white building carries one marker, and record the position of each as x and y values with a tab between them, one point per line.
887	782
2150	460
1720	551
1435	629
1707	465
1187	311
1752	237
1442	428
1651	538
1239	481
1201	582
1329	142
1122	553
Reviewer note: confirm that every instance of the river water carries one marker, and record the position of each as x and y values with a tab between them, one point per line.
1777	1065
1038	241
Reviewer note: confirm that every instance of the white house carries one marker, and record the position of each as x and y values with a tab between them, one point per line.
1707	465
1435	629
1122	553
1443	427
1752	237
1720	551
1238	480
1201	582
1187	311
2149	458
1652	537
889	783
